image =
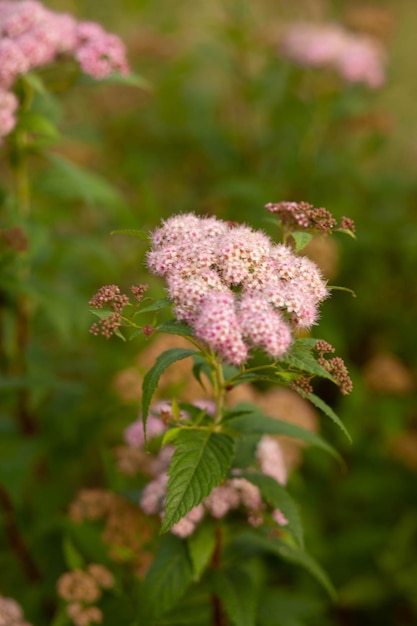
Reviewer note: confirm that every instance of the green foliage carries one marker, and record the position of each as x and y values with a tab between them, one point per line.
167	580
253	421
278	497
151	379
201	546
201	461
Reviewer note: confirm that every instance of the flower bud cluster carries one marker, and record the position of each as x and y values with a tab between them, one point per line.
335	366
356	58
302	215
32	36
234	286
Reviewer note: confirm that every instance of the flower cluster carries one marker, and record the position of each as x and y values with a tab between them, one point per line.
81	589
356	58
234	286
32	36
11	613
126	531
234	493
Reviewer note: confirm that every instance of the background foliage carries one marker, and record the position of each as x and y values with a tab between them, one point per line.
227	127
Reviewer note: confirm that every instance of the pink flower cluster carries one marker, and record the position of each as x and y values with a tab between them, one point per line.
234	286
32	36
234	493
357	58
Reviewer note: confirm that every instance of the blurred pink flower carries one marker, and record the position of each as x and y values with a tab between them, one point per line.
357	58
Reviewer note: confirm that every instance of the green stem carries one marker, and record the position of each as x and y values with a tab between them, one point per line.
219	388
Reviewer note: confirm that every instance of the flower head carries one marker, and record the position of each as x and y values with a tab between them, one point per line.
234	286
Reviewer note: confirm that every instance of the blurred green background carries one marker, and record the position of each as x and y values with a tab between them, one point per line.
227	127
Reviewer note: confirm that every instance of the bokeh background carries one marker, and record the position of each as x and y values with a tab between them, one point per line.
227	126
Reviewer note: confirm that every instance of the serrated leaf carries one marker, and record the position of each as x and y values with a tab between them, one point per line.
301	358
151	378
255	422
250	540
201	545
132	232
301	239
166	581
327	410
200	462
280	499
238	595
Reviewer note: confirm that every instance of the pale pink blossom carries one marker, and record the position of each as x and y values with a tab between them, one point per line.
357	58
8	107
218	326
153	495
271	459
263	326
232	285
188	523
279	517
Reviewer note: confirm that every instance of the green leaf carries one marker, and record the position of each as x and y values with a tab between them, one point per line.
327	410
346	231
301	358
132	232
255	422
301	239
130	80
280	499
252	540
73	557
337	288
71	182
170	436
151	378
238	595
292	554
38	124
201	545
157	305
34	81
200	462
172	327
166	581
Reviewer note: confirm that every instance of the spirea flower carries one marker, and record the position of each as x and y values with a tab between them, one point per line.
356	58
32	36
234	286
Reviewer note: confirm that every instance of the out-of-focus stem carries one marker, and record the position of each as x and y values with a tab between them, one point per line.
218	619
16	540
23	414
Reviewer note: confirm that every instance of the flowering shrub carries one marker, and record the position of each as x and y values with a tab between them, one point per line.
214	473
